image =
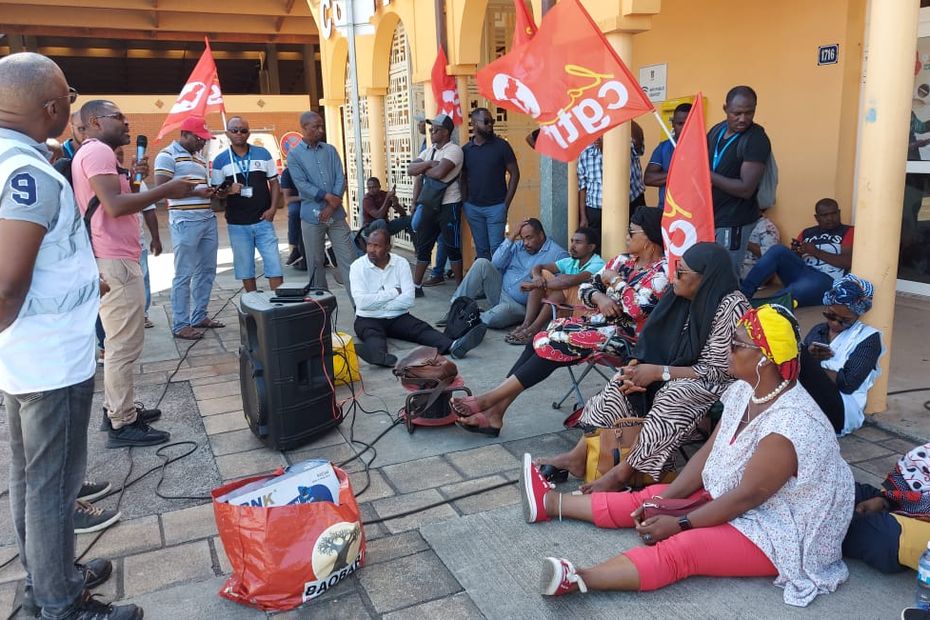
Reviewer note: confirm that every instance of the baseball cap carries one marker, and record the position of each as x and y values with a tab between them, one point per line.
197	126
443	120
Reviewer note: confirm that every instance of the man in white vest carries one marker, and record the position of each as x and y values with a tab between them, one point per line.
49	297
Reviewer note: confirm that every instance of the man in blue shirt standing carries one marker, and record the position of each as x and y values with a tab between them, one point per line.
316	171
657	169
499	279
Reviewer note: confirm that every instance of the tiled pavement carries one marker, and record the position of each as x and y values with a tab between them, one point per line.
173	563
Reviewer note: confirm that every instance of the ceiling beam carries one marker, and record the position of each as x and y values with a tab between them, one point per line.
169	54
241	7
147	34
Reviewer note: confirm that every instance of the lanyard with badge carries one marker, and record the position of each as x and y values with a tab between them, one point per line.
718	152
246	191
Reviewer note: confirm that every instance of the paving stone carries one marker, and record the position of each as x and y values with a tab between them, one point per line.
7	598
332	437
188	524
456	607
421	474
224	404
192	600
407	581
218	378
225	422
249	463
344	607
164	365
377	487
880	466
900	446
225	566
490	500
393	547
14	570
127	536
375	530
484	461
186	374
855	450
411	501
216	390
154	570
338	454
212	354
871	433
234	441
149	378
541	446
864	477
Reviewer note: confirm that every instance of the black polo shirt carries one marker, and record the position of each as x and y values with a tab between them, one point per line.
485	170
751	145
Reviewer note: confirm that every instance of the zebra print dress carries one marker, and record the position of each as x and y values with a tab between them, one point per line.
679	404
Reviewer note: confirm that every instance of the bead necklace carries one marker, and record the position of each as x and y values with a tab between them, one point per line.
771	395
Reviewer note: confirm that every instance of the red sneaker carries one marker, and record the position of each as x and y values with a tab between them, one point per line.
535	487
559	577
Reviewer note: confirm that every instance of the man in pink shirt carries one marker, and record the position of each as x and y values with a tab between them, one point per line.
103	191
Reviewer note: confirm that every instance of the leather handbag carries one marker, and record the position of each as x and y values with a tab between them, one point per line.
674	507
424	368
606	447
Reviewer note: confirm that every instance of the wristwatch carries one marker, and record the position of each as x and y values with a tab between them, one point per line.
666	375
684	524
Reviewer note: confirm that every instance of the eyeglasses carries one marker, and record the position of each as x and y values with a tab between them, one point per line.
117	115
739	344
242	130
827	214
831	316
485	121
632	232
71	96
679	271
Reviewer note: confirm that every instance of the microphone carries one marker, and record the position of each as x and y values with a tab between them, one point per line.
141	143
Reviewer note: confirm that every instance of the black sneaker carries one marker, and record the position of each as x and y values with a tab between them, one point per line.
92	490
136	434
443	321
91	608
418	292
914	613
300	265
472	338
293	258
146	415
95	573
89	518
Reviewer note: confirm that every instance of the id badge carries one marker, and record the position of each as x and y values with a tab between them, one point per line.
246	192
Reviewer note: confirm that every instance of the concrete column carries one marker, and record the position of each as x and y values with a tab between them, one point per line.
376	136
429	105
889	47
572	199
271	66
332	116
616	216
310	75
553	199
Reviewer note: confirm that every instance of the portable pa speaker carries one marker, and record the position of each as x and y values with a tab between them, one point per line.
286	367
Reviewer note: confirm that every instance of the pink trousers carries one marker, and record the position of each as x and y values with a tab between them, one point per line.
719	551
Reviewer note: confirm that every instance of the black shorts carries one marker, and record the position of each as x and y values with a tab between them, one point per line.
445	222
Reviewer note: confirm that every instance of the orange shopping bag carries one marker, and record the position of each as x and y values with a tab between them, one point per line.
284	556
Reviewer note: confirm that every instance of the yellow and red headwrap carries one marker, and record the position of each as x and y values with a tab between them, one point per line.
775	330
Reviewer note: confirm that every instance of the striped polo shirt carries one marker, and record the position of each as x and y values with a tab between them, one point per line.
176	161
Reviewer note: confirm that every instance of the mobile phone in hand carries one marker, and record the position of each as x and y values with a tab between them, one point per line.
226	184
821	346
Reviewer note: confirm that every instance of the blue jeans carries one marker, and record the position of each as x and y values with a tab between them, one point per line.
806	284
48	445
195	244
245	239
144	263
397	225
487	224
293	224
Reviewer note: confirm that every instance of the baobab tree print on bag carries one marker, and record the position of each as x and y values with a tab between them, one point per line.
284	556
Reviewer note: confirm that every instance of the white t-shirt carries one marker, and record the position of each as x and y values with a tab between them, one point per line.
452	152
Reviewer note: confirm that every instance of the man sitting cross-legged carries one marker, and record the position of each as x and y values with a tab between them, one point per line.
382	286
558	283
499	279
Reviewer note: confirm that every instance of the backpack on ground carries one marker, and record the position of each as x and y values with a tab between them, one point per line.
463	315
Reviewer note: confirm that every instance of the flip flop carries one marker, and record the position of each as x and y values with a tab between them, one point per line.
521	340
210	324
188	333
483	427
465	407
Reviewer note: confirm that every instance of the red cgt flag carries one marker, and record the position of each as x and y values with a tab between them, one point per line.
200	96
445	91
525	27
569	79
689	209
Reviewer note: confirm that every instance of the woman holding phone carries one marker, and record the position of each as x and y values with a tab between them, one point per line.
839	359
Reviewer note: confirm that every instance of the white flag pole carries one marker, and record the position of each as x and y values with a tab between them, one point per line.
229	146
664	127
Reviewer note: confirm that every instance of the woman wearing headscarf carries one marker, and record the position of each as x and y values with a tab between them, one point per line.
679	364
773	496
839	360
623	294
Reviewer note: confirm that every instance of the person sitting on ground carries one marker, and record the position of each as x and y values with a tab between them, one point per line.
818	258
557	283
778	494
763	238
377	205
382	285
679	364
624	293
889	529
839	362
499	279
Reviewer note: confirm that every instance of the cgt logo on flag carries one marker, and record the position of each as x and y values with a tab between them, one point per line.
569	79
445	91
199	96
192	95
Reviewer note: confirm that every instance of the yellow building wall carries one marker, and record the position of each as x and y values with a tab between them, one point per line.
808	111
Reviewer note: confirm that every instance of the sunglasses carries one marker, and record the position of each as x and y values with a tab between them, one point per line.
830	316
241	130
679	271
632	232
71	96
739	344
117	115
